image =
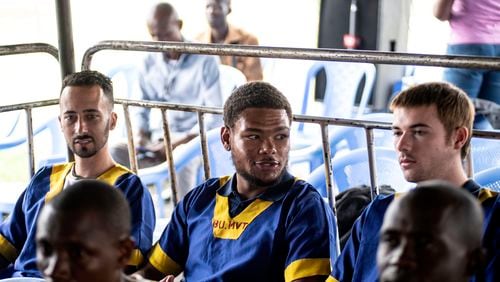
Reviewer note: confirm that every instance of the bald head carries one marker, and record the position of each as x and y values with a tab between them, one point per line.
433	233
164	23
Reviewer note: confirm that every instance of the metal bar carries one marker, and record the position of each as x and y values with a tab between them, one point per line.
469	164
17	49
213	110
65	34
327	158
329	177
319	54
130	140
204	145
31	149
167	139
371	162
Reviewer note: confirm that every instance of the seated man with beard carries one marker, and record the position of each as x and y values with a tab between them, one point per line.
262	223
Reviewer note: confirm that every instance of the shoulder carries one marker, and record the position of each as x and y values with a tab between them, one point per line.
205	192
242	36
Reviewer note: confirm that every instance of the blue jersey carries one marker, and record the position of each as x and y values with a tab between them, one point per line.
357	262
284	234
17	232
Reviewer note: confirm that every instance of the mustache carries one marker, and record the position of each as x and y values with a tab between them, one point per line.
82	136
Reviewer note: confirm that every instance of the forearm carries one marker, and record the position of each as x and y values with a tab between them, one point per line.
442	9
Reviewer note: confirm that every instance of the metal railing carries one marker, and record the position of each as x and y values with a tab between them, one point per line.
19	49
376	57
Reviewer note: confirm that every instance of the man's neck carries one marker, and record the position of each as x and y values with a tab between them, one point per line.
94	166
219	34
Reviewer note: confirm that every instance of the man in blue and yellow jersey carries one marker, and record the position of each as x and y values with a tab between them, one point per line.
86	117
262	223
432	132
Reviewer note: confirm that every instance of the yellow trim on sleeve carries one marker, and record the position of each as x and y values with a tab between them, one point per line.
225	227
136	258
486	194
331	279
7	250
306	268
57	178
162	262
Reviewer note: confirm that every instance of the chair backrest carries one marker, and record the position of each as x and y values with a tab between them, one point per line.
23	279
342	82
50	126
485	153
230	78
489	178
220	162
351	169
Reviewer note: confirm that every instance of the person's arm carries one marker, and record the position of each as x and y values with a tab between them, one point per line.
143	218
252	67
307	234
343	269
442	9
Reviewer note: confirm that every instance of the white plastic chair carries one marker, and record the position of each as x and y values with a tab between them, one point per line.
230	78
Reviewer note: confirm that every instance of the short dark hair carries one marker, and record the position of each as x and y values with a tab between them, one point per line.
99	198
454	107
90	78
255	94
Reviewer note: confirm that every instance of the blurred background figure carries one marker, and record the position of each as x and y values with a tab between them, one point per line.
221	31
475	31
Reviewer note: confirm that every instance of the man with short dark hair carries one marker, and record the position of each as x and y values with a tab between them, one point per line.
432	131
433	233
84	234
86	117
261	224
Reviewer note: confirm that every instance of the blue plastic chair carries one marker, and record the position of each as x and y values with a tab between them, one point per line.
485	153
58	149
489	178
342	82
351	169
343	138
220	163
23	279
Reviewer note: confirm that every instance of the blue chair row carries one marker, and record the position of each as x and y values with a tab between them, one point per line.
351	169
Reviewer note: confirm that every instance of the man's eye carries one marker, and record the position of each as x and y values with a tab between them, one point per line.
282	136
252	137
396	133
390	239
44	248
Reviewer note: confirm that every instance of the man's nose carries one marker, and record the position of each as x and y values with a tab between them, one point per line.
267	147
58	267
81	125
403	142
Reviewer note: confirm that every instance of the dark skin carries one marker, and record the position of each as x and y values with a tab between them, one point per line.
164	25
259	144
216	12
424	244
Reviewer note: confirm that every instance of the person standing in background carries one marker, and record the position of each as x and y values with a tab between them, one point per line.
222	32
475	31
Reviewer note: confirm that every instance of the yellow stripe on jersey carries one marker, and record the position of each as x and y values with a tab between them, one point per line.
136	258
331	279
59	172
7	250
162	262
486	194
306	268
225	227
57	178
111	175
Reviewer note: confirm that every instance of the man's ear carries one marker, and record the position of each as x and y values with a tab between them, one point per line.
475	261
225	134
461	137
126	247
113	119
